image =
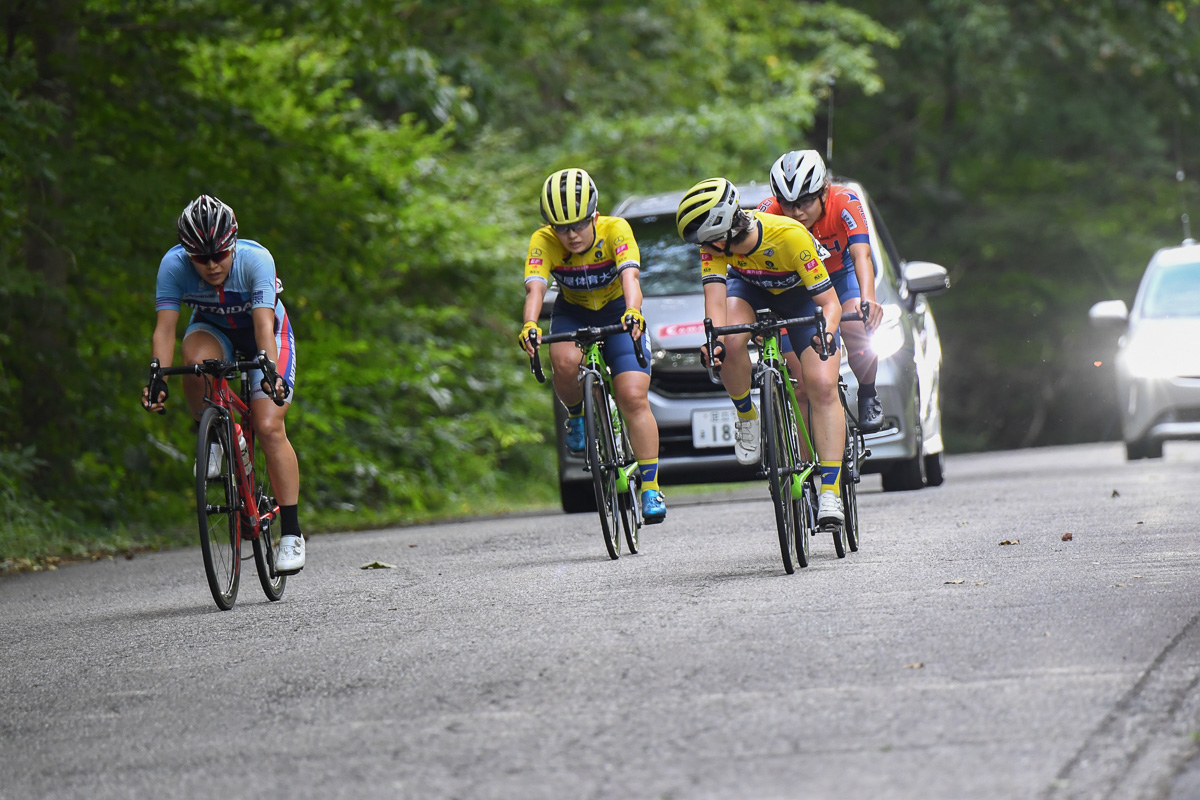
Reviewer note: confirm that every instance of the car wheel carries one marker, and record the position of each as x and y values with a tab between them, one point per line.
935	469
577	497
1143	448
905	475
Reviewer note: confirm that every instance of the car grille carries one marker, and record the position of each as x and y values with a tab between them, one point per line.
684	384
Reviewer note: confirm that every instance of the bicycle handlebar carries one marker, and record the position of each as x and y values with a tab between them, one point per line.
220	368
582	337
765	322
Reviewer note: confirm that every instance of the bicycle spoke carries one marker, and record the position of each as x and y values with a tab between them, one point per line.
216	501
602	460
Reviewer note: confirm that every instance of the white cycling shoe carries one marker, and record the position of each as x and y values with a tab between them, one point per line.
747	435
216	457
830	511
289	558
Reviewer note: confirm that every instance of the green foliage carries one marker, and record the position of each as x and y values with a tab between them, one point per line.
389	152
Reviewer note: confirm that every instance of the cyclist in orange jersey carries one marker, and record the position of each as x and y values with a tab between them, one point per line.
803	191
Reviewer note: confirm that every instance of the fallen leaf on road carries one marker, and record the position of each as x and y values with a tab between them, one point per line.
378	565
980	583
1115	493
1011	541
956	581
1067	536
917	665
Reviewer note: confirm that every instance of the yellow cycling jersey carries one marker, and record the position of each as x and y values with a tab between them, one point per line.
590	279
787	256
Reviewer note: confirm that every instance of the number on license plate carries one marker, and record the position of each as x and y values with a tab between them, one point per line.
713	428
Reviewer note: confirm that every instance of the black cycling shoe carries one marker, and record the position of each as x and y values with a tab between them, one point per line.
870	414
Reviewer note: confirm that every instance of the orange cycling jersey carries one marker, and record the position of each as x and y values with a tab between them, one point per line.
590	279
844	223
787	256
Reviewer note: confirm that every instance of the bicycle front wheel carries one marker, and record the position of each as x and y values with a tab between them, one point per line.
602	460
780	463
266	543
217	508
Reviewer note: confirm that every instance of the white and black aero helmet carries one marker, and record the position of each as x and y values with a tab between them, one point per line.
707	211
207	227
568	196
796	174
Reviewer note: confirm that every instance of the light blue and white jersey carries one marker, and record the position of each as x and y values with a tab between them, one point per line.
251	284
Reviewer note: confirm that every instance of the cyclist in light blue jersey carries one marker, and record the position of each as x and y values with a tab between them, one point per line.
233	291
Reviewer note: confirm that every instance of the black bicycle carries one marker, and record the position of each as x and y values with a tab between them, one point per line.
615	476
790	470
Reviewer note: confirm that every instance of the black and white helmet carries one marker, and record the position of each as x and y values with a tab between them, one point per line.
207	227
796	174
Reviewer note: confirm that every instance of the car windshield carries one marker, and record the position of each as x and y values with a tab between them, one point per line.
1173	291
669	264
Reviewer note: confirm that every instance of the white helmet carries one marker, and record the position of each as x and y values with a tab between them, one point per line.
796	174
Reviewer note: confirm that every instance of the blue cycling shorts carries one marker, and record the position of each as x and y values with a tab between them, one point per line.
618	348
795	302
242	342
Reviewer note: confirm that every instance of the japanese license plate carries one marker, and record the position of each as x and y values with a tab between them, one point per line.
713	428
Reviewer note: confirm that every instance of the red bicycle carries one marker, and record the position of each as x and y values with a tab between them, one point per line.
233	488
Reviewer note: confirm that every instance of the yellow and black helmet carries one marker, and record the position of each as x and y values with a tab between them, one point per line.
707	211
568	196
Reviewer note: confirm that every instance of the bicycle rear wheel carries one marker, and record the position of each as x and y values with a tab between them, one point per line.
850	477
805	510
631	512
217	509
602	460
780	464
266	544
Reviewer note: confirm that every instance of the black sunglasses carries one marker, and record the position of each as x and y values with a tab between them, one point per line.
219	256
574	227
801	201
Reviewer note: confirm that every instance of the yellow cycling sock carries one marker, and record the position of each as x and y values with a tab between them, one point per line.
649	469
744	406
575	410
831	473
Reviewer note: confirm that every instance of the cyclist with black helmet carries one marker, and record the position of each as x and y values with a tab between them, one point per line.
233	291
596	263
753	260
834	214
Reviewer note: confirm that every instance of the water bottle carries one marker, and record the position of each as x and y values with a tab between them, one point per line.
243	448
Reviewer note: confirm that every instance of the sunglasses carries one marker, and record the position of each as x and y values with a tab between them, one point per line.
212	257
574	227
802	200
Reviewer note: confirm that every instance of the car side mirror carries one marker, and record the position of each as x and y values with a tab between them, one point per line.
1109	314
925	277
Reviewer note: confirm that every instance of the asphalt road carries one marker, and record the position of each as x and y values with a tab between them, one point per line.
510	658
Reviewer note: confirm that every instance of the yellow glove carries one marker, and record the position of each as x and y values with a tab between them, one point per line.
523	338
633	318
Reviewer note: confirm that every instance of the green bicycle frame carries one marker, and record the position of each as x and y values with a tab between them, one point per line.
771	355
593	359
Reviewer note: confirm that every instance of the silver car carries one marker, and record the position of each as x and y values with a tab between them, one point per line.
695	417
1158	359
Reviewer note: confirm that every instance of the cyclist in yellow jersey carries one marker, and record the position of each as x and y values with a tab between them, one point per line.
596	263
756	260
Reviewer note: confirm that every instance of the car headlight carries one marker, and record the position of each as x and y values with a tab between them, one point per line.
888	338
1148	361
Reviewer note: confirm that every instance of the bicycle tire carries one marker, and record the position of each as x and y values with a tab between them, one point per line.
602	461
850	479
805	510
266	543
217	510
780	465
631	513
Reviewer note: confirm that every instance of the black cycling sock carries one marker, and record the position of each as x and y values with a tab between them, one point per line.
866	390
289	520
